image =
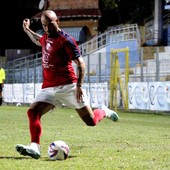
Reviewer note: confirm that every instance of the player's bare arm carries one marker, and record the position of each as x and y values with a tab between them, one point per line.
80	71
33	36
80	78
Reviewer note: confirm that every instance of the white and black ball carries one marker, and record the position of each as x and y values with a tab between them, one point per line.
58	150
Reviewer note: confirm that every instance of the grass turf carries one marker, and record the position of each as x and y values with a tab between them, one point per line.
136	142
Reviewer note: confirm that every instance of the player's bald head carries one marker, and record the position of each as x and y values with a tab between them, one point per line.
49	14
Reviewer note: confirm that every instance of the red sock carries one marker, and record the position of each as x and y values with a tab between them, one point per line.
34	125
98	115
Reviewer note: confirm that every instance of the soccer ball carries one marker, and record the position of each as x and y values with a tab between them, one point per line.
58	150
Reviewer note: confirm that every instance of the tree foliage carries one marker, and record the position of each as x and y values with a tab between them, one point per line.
116	12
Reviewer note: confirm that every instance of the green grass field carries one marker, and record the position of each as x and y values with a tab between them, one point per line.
137	142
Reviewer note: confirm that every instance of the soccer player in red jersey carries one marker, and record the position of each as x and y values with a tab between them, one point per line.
60	82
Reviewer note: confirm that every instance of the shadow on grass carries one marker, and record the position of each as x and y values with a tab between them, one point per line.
70	157
12	157
26	157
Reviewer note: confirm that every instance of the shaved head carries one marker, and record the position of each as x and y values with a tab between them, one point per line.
49	21
49	14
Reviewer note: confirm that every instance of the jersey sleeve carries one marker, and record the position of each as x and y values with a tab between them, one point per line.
74	49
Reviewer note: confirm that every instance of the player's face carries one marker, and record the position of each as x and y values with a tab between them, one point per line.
50	25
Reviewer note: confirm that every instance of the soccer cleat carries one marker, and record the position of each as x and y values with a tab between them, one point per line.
110	114
28	151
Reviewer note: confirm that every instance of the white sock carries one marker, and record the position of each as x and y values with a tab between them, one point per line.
36	146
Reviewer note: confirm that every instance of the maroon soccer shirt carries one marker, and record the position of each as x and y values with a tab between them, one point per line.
57	56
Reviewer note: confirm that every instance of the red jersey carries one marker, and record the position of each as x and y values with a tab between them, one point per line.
57	56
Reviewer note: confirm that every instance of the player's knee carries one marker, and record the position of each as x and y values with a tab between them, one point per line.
32	113
90	123
88	120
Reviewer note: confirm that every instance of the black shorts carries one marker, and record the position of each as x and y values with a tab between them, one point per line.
0	87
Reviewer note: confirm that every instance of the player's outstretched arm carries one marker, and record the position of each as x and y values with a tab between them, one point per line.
33	36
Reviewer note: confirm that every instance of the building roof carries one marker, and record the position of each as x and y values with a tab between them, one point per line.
74	13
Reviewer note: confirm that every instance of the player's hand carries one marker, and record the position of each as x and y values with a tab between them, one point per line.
79	94
26	24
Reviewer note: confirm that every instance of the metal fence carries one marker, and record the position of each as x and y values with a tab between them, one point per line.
28	69
24	70
153	64
114	35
